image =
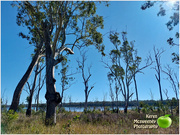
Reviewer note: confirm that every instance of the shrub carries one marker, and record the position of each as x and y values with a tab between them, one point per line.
144	110
9	116
76	117
62	110
21	108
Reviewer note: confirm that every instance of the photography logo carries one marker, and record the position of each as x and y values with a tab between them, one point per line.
164	121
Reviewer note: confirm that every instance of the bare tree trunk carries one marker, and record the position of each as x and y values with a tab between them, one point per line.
86	99
157	54
87	90
28	111
37	105
52	97
40	85
20	86
126	106
117	92
50	89
136	93
159	82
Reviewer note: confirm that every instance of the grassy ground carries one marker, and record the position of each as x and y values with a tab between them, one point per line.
80	123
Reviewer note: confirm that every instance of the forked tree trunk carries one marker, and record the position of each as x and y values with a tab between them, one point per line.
28	111
20	86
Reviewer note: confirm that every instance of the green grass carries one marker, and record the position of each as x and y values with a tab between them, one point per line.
80	123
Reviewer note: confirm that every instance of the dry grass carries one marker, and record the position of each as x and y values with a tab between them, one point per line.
92	123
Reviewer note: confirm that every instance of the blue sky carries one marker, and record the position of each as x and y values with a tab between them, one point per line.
145	27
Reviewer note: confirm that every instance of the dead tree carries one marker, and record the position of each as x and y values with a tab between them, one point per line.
39	87
157	68
151	95
86	79
135	69
166	94
167	98
111	93
169	72
66	78
31	90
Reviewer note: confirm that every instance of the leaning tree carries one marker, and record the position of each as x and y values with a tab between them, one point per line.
58	27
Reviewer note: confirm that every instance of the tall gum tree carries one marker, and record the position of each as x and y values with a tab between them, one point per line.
62	26
30	18
124	66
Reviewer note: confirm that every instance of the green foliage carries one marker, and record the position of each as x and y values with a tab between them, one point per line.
42	107
144	110
125	131
79	18
9	117
141	104
173	20
76	117
21	108
114	38
27	99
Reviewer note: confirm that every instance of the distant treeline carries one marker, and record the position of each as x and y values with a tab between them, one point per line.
105	103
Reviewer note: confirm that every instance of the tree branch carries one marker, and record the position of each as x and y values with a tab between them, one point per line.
57	61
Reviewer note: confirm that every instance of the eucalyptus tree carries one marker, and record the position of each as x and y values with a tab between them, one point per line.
121	75
86	78
125	65
59	26
31	91
40	84
135	68
67	78
157	68
38	69
111	93
27	16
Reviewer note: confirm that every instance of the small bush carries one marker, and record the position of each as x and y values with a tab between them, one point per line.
144	110
9	116
76	117
62	110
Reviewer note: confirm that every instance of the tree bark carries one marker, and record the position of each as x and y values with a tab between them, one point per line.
52	97
22	82
86	100
136	93
125	109
28	111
